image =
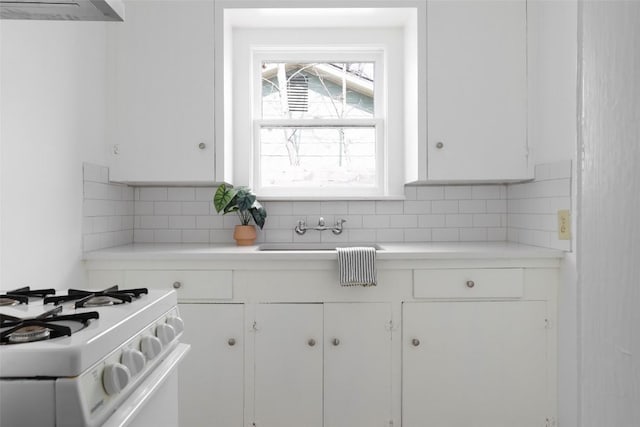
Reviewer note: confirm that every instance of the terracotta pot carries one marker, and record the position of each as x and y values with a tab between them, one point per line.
245	235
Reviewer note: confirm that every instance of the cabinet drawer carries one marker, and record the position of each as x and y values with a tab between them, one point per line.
191	285
506	283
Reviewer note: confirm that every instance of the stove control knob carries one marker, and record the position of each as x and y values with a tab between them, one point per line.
134	360
176	323
150	346
115	377
165	333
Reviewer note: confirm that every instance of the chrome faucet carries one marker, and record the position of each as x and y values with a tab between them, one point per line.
302	228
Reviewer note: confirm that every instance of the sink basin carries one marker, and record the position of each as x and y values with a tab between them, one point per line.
313	246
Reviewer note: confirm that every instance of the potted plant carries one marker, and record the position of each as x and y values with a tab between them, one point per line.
243	202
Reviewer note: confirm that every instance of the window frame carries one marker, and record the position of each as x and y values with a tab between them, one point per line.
323	54
399	25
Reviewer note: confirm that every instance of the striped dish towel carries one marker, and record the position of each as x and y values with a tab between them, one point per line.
357	266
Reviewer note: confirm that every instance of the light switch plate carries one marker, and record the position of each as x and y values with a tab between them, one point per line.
564	224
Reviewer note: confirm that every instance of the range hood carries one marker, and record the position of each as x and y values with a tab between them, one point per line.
63	10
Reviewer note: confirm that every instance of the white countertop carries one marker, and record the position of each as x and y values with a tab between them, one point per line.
388	251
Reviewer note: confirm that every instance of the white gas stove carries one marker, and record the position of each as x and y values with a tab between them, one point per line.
89	358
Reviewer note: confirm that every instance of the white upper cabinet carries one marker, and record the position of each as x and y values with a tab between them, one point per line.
477	91
161	93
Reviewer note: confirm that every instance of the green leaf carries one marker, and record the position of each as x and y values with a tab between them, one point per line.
245	199
223	198
259	214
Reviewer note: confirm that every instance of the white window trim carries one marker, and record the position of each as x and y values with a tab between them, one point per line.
407	133
369	53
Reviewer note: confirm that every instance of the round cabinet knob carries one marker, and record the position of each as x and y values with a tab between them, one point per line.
202	146
115	377
335	342
165	333
439	145
177	285
311	342
176	323
415	342
133	360
150	346
470	283
231	342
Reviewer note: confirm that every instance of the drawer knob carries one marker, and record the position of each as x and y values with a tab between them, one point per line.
311	342
336	342
439	145
231	342
202	146
415	342
470	283
177	285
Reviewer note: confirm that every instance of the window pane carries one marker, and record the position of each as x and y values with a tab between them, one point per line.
317	90
318	156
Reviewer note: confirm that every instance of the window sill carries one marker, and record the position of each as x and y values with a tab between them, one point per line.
325	198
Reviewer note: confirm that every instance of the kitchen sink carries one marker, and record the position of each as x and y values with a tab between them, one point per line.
313	246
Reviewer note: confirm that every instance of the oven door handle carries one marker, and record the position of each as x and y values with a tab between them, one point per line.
145	391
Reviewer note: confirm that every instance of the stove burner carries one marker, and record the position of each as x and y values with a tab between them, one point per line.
21	296
29	334
48	325
98	301
110	296
8	301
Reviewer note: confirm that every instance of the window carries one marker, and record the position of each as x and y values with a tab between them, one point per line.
320	102
318	122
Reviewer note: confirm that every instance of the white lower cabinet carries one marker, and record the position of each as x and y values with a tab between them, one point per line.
284	347
211	380
481	364
322	365
357	364
288	365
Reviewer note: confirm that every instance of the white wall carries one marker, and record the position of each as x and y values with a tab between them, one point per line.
552	55
52	112
552	76
609	225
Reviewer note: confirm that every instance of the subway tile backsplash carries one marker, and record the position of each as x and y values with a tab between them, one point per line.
116	214
532	207
108	210
434	213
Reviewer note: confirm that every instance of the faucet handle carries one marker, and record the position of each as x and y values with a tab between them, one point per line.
301	228
321	222
338	227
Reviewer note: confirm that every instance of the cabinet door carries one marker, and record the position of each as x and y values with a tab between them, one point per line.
211	378
161	92
481	364
357	367
288	365
477	90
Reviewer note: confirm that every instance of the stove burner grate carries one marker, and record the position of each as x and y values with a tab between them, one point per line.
44	326
109	296
21	296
